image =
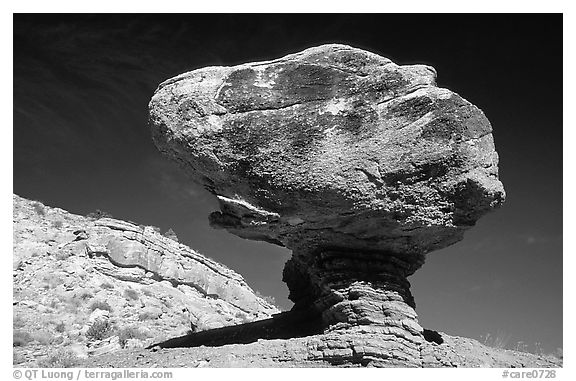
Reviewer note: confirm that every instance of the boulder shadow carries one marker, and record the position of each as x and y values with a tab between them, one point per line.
433	336
284	325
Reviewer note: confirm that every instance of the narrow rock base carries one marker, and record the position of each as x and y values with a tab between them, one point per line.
364	300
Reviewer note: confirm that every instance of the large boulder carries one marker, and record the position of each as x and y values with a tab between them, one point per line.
359	165
332	146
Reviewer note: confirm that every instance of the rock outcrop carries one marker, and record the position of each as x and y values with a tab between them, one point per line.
70	272
317	351
358	165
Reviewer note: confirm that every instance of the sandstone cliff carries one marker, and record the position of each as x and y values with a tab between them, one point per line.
132	283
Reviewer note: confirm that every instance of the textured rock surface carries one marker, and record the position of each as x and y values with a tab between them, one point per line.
70	271
319	351
332	146
358	165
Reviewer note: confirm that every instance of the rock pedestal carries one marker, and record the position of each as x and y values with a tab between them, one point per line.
358	165
350	288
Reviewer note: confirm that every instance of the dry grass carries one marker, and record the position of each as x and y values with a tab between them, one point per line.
21	338
99	330
39	208
101	305
62	358
131	294
124	334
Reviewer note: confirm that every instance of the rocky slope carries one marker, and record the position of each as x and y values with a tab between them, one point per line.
314	351
88	286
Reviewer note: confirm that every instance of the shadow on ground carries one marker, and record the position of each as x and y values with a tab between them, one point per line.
285	325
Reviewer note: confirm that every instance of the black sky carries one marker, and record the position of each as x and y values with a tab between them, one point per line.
81	141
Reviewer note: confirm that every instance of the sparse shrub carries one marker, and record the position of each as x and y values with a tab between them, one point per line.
52	281
147	315
269	299
131	294
17	358
498	341
60	327
57	224
18	321
42	337
171	234
242	317
124	334
99	214
73	303
62	358
107	285
39	208
558	353
21	338
99	330
84	295
63	254
99	304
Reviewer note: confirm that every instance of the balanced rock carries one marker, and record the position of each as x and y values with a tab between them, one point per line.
358	165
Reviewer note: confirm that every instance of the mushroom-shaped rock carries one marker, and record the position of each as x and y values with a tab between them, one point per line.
358	165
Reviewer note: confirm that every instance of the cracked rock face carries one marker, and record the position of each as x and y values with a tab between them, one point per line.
359	165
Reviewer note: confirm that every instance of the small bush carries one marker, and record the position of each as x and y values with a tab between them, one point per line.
171	234
127	333
99	330
156	229
107	285
18	321
39	209
131	294
242	317
147	316
51	281
99	304
63	254
60	327
73	303
42	337
21	338
62	358
99	214
17	358
57	224
268	299
84	295
499	340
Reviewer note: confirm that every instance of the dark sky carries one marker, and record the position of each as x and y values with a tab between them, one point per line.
81	141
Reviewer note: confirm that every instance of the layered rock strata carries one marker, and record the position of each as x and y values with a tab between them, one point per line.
358	165
70	271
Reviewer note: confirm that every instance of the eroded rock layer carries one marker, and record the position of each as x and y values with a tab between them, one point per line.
359	165
73	274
